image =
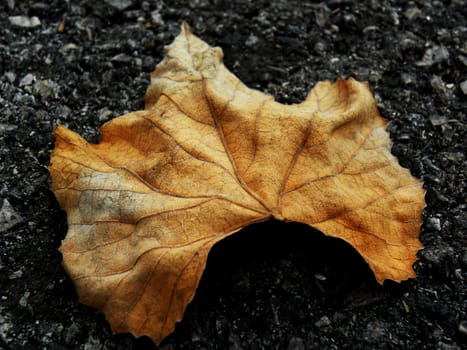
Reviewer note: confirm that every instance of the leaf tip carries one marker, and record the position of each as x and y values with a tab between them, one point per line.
59	130
185	27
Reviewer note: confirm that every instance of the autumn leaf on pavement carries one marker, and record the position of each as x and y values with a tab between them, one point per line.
208	156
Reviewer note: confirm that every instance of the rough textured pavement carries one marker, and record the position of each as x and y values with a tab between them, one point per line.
80	63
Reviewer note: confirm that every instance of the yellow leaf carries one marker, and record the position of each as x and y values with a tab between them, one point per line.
208	156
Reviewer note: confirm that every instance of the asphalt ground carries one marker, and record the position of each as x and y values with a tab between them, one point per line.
272	285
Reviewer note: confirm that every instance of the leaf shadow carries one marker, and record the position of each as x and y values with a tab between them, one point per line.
329	266
275	274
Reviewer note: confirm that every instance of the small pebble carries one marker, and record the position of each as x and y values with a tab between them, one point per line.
93	343
438	255
61	27
46	89
438	84
10	76
252	40
445	346
23	302
413	13
463	59
121	58
407	79
436	54
24	21
28	79
464	87
320	277
433	224
16	274
8	216
104	115
437	120
323	322
156	18
7	127
320	47
463	327
72	333
119	4
68	47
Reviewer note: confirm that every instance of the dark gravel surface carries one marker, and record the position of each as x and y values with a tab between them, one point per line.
80	63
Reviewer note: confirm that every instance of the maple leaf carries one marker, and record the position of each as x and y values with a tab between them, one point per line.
209	156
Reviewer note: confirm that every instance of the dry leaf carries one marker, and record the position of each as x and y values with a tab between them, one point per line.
209	156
